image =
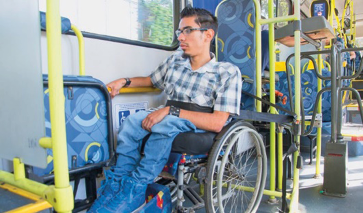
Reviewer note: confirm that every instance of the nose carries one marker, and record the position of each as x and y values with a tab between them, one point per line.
181	37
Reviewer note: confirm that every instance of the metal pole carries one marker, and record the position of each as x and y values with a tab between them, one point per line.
295	192
318	136
272	100
61	197
334	101
339	99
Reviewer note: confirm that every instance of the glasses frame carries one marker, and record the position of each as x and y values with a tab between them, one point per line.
187	31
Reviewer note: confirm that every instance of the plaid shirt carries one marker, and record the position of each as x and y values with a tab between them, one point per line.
216	84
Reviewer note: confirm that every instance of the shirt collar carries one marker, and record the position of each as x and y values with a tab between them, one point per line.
208	67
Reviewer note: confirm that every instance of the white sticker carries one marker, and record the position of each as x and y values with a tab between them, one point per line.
122	111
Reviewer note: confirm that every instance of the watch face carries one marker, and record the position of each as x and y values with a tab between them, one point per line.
128	82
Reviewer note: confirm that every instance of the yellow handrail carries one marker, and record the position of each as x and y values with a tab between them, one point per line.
127	90
81	49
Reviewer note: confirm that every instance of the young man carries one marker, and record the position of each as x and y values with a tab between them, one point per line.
191	76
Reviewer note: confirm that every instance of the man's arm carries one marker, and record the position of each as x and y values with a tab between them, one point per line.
116	85
212	122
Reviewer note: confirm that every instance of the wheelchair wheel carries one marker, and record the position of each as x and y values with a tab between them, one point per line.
236	170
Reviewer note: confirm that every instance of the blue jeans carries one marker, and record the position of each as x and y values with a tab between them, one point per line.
157	148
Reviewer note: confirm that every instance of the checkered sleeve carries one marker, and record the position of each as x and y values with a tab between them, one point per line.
229	91
158	76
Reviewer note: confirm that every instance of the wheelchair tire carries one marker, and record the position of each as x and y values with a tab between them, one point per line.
236	171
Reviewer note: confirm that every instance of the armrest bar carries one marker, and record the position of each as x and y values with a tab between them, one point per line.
138	90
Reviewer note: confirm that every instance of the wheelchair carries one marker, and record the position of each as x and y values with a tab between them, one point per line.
231	175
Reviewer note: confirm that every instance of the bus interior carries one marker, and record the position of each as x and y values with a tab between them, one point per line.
297	145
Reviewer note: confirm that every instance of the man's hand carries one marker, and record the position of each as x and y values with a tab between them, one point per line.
115	86
154	118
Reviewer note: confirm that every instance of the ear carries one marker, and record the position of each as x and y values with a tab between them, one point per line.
209	34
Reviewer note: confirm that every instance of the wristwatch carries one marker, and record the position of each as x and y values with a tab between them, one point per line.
128	82
174	111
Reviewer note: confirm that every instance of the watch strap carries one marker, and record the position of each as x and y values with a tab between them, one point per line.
128	82
174	111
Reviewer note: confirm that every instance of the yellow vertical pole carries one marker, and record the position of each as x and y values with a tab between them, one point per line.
295	192
19	169
279	159
332	12
63	195
258	57
318	136
272	99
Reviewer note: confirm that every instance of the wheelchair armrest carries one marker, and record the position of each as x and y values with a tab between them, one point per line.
226	129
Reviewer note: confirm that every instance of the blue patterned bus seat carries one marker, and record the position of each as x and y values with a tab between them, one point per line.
86	120
309	91
236	42
65	23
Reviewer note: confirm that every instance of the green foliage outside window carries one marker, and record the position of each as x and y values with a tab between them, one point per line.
283	9
156	21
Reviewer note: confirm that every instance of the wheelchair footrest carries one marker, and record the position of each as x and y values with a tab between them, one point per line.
158	199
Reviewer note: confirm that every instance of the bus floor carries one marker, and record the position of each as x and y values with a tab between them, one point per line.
311	198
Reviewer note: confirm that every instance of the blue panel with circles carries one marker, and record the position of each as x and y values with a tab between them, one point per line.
309	92
236	42
86	119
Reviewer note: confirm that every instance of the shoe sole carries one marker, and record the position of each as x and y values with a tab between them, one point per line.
138	209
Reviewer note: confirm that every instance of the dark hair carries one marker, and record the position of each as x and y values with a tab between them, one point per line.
204	18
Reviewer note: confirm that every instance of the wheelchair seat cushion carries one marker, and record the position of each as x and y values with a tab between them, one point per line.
193	143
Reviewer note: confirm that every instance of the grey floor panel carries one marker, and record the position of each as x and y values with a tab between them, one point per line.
311	197
9	200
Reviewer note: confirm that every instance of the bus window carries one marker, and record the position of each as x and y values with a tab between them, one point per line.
359	42
264	8
148	21
282	10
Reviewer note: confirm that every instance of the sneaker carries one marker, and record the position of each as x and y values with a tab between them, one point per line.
130	199
109	188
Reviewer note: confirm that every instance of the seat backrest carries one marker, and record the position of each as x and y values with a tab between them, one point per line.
236	42
309	85
88	122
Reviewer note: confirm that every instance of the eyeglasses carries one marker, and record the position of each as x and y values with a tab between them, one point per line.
187	31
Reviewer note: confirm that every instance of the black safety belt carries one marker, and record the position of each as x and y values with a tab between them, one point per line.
288	154
266	117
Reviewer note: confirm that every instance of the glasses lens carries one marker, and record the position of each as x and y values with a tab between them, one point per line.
187	31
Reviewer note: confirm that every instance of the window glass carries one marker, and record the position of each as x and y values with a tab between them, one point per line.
264	8
283	9
141	20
